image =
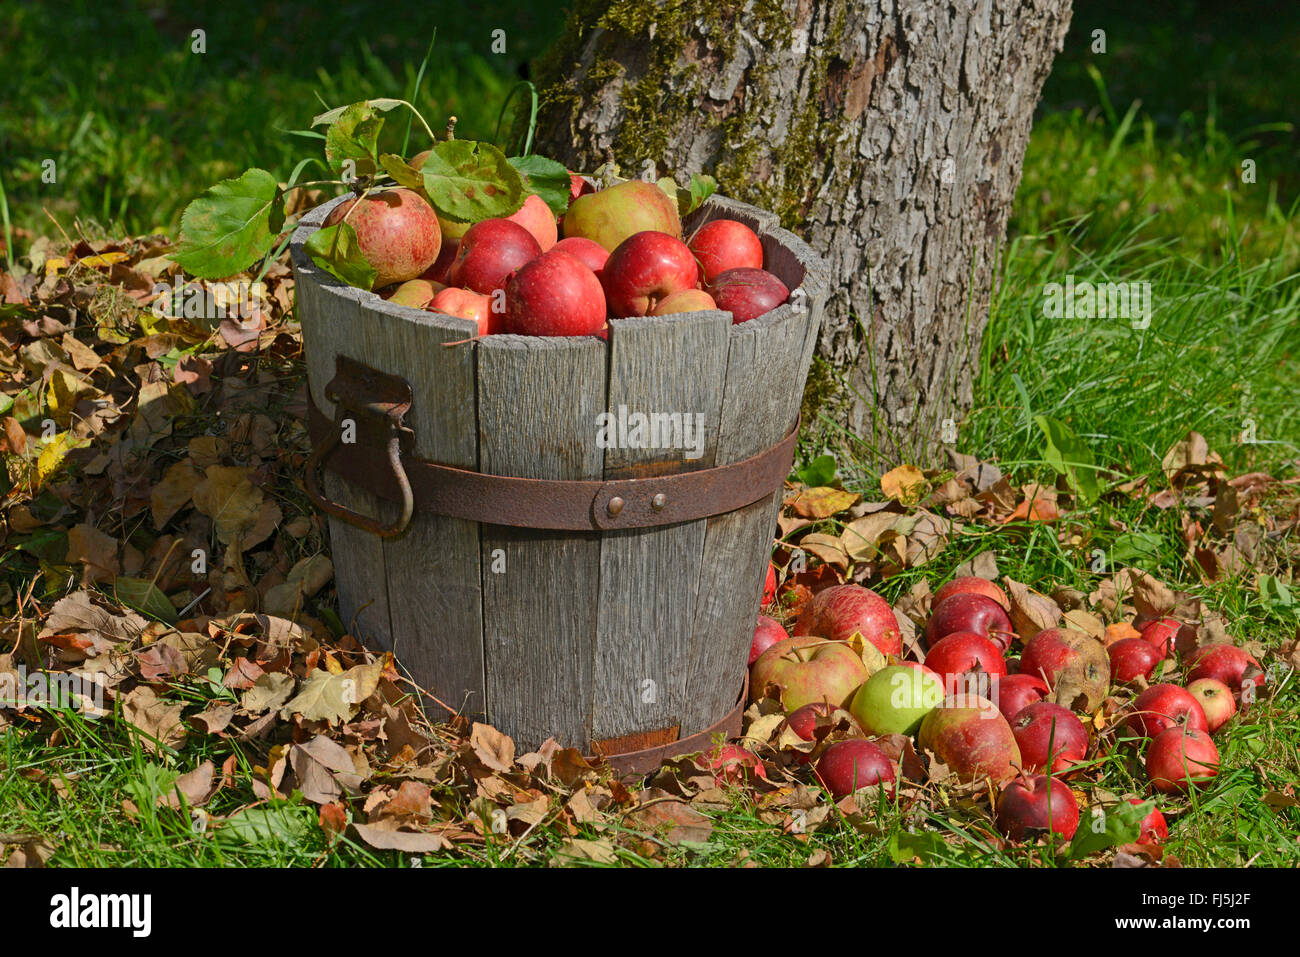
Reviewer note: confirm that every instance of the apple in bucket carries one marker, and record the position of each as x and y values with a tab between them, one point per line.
397	232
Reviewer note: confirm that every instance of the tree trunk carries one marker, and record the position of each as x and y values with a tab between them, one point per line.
890	135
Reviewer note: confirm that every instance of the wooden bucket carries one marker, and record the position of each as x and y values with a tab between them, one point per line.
620	641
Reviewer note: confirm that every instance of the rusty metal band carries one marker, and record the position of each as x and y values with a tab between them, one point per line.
645	760
375	460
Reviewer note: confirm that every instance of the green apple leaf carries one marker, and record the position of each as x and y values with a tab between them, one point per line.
701	188
230	226
819	472
382	105
472	181
336	250
1070	456
1115	825
906	846
401	171
547	178
354	136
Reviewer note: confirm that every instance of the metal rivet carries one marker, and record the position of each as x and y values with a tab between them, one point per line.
658	502
615	505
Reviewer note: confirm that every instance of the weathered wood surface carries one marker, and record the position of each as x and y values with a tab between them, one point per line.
649	578
538	400
579	636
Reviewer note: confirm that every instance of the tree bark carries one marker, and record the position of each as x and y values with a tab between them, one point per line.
889	134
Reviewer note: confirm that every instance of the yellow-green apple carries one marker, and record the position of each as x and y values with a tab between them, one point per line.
397	233
1216	701
896	699
969	734
1131	658
1227	663
837	612
609	216
1161	634
489	252
645	268
554	295
1153	829
972	585
805	669
731	764
415	293
767	633
1049	737
467	304
965	651
1073	665
688	300
592	255
747	293
1015	692
966	611
1030	806
1165	706
1180	758
723	244
854	763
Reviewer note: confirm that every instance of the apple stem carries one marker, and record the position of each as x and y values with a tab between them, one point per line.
461	342
451	128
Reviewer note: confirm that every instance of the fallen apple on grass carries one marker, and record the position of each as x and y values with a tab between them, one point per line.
1050	737
854	763
732	764
1132	658
554	295
490	252
397	233
1180	758
841	610
1216	701
1072	664
1161	634
965	611
767	633
896	699
723	244
1015	692
1153	829
970	736
807	669
1165	706
1029	806
962	652
971	585
1227	663
769	585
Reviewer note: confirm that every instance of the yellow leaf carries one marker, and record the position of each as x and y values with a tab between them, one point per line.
871	656
104	259
822	502
54	264
56	450
904	484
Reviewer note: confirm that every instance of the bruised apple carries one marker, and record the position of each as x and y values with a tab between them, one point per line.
1072	664
969	734
397	233
837	612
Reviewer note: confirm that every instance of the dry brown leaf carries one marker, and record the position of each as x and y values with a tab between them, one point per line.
1031	611
96	551
158	721
905	484
822	502
173	492
228	497
494	749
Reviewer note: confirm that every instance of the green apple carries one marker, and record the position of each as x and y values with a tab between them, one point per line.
808	670
610	216
896	699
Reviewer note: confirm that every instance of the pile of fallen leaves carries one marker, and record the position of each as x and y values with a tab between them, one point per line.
155	534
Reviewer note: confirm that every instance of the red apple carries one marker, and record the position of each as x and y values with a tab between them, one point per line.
1165	706
554	295
592	255
803	721
1131	658
967	612
769	585
854	763
609	216
1015	692
837	612
397	232
1153	830
732	764
440	271
645	268
536	217
1227	663
723	244
1161	634
805	669
972	585
970	736
688	300
1028	806
747	293
1180	758
1073	664
489	252
766	634
578	186
1216	701
469	305
964	651
1049	737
